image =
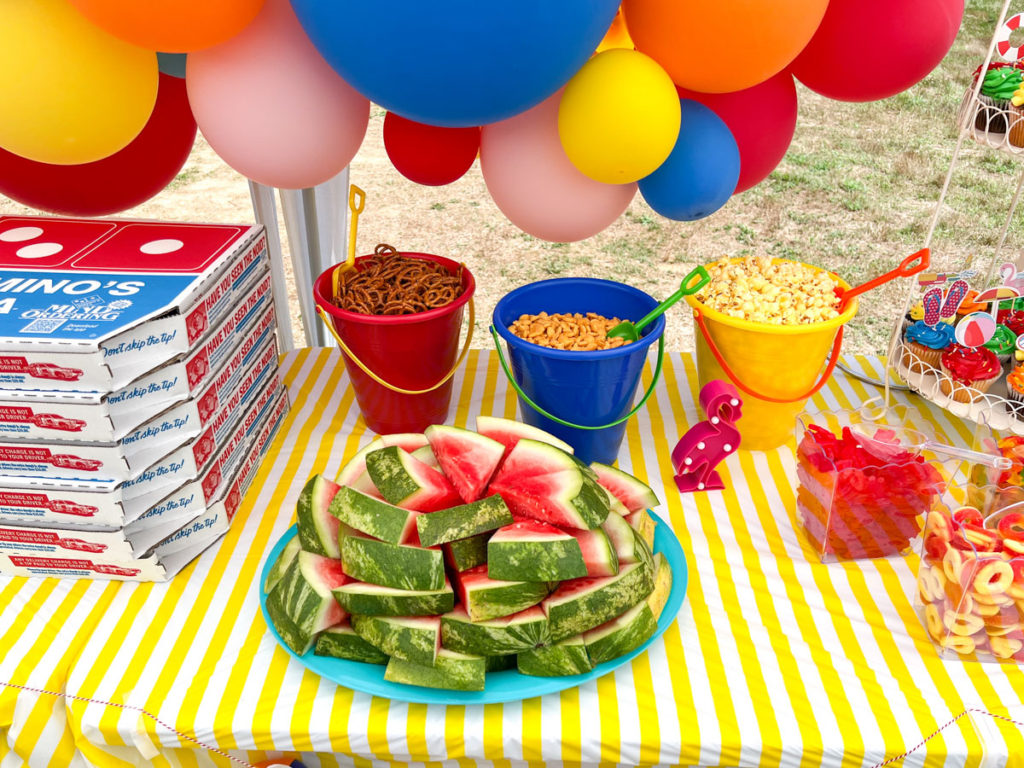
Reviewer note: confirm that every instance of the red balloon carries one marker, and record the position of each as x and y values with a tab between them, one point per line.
123	180
429	154
872	49
762	119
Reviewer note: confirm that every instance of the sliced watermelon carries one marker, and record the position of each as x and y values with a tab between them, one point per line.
624	539
598	553
534	551
485	598
318	528
567	657
643	523
582	604
410	483
543	482
451	670
282	564
426	455
508	432
621	635
375	600
463	521
301	605
662	585
356	466
632	492
509	634
413	638
373	517
466	458
354	474
468	553
342	642
392	565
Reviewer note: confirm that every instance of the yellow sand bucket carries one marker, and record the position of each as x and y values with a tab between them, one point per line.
776	367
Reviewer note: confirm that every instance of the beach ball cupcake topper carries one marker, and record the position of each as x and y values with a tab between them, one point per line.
975	329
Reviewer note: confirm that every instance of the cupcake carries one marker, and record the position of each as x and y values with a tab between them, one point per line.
997	88
1003	344
1015	390
1014	320
925	343
968	372
916	314
969	305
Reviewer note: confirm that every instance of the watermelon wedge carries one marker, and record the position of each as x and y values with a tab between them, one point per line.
510	634
413	638
466	458
450	670
392	565
534	551
643	523
621	635
629	547
342	642
567	657
633	493
485	598
318	529
662	585
301	605
463	521
582	604
508	432
375	600
353	473
282	564
463	554
409	483
426	455
544	482
598	553
373	517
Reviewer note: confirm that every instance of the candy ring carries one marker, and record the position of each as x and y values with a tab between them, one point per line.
987	610
994	631
934	623
1013	546
962	645
963	624
952	565
930	586
1006	51
1000	600
938	525
993	578
1004	647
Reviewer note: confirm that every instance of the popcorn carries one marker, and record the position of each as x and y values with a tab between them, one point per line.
784	293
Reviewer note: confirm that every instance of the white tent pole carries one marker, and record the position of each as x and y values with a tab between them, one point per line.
295	225
265	210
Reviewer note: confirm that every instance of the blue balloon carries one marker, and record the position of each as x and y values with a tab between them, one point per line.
456	63
701	172
171	63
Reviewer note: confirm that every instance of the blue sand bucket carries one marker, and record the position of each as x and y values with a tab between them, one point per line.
583	398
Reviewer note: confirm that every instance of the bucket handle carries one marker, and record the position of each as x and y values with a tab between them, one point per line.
833	359
563	422
378	379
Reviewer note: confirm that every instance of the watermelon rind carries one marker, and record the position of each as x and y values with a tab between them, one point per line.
356	466
508	432
301	605
282	564
485	598
451	670
621	635
375	600
372	516
466	458
342	642
631	491
662	585
318	529
468	553
510	634
426	455
598	552
643	523
413	638
582	604
500	663
463	521
567	657
409	483
543	482
529	551
623	538
392	565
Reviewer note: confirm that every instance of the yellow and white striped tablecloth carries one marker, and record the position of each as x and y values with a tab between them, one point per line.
775	659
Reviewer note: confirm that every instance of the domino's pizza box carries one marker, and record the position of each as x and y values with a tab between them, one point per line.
111	555
218	497
90	305
107	417
106	464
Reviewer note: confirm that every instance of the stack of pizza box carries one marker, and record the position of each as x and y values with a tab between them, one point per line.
139	390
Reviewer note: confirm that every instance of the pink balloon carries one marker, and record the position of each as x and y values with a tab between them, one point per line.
762	119
272	108
535	184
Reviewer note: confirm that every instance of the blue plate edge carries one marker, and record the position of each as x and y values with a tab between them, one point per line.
665	541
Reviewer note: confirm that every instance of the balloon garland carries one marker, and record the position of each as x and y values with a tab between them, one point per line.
570	104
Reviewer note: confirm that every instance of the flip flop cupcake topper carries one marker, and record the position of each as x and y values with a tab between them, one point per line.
938	306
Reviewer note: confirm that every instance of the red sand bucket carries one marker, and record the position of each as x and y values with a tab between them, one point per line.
401	365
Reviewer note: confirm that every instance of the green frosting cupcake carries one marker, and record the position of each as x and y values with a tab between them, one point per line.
999	84
1003	342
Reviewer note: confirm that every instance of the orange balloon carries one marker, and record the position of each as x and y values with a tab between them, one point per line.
617	35
171	26
726	45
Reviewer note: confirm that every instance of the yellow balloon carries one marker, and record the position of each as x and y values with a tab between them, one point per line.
619	117
70	92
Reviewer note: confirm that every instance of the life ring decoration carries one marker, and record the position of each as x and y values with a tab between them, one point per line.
1003	47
